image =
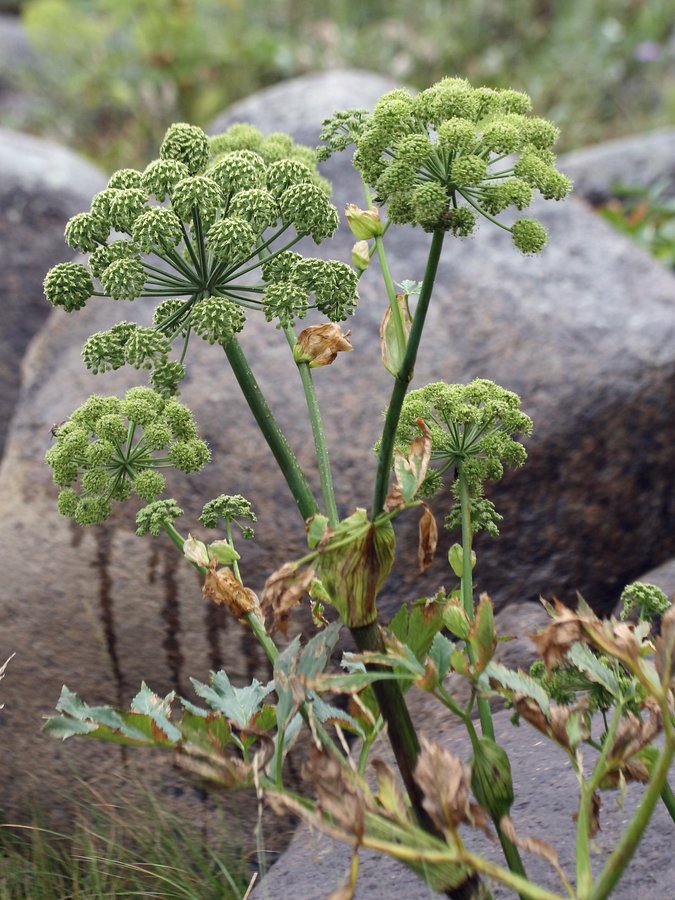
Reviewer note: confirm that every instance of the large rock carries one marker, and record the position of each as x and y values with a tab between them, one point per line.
640	161
584	333
43	184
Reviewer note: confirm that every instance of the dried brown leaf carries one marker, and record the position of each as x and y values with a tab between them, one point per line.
445	782
594	822
224	588
283	590
665	647
389	794
531	845
555	724
410	470
320	344
428	539
555	640
339	794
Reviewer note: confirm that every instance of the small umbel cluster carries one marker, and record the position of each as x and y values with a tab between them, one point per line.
111	447
190	230
472	426
451	154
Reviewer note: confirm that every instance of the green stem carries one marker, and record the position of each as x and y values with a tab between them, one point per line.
320	447
404	743
632	836
668	799
484	713
402	380
396	313
586	791
275	438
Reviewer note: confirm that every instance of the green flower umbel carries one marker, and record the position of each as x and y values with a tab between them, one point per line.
472	428
190	231
111	447
451	154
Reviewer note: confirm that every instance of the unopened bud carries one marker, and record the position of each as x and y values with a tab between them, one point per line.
361	256
318	345
364	223
195	551
224	552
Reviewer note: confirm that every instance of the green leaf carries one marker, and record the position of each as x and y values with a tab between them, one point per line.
332	715
212	733
456	620
583	658
417	625
238	705
148	703
103	723
316	654
577	727
518	682
316	528
439	653
482	634
285	679
224	552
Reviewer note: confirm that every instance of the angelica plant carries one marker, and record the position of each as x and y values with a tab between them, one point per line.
206	232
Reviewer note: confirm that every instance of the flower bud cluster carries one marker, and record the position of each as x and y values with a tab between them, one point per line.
471	426
451	154
291	279
229	509
189	229
110	447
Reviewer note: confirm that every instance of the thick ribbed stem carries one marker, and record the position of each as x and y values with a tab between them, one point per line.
402	380
276	440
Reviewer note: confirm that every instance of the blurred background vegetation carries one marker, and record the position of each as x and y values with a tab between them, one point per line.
109	75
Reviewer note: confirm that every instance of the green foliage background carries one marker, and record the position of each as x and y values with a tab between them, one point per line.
113	74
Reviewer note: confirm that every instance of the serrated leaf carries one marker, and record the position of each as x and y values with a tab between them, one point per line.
482	633
399	624
518	682
439	653
459	662
576	728
212	733
238	705
317	652
332	715
286	682
317	530
416	626
411	470
65	726
148	703
583	658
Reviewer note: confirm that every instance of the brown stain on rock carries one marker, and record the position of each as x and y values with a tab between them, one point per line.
171	616
101	563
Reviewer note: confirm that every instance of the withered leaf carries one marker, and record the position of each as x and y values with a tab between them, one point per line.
283	590
445	782
594	820
339	794
320	344
391	351
665	647
428	539
410	470
389	793
224	588
555	640
531	845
